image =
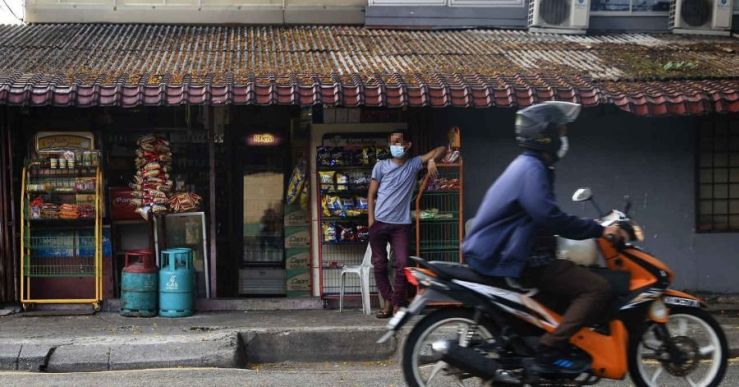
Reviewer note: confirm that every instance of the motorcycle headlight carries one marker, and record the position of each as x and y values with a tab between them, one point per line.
639	232
658	312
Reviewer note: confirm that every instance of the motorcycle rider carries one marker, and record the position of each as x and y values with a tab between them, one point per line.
513	233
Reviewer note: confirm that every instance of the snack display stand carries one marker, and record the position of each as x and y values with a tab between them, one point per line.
344	174
61	229
439	220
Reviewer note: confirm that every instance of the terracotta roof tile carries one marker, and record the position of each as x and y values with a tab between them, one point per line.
128	65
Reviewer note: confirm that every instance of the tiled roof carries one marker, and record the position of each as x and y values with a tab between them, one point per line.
129	65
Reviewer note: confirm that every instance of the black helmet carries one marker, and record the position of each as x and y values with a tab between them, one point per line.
537	126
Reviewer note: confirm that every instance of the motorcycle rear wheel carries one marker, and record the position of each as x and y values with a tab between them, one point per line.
422	367
695	332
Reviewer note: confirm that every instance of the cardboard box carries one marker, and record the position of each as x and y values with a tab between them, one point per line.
295	216
297	237
298	280
297	258
298	293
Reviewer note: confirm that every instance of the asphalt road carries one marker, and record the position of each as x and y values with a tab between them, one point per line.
368	374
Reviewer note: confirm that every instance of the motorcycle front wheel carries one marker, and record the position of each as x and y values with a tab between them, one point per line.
422	366
701	342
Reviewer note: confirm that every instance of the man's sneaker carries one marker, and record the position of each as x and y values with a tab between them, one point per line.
550	360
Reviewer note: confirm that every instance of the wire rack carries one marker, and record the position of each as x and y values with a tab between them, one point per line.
71	185
61	254
438	215
335	257
73	266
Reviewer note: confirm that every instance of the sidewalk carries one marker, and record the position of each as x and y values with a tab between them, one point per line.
108	341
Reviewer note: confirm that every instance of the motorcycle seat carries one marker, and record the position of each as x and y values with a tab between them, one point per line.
465	273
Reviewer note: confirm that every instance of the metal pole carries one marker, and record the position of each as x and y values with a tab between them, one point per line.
212	199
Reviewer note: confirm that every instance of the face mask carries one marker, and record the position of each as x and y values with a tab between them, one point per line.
397	151
564	147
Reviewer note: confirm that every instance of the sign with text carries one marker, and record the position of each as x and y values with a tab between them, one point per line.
54	142
263	139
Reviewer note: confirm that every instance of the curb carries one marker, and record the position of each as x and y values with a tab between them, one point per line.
236	349
317	345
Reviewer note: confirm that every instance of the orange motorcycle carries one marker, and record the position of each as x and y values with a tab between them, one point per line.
489	327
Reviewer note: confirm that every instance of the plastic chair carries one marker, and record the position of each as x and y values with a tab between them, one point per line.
363	272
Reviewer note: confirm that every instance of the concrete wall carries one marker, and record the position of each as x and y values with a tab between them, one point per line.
615	154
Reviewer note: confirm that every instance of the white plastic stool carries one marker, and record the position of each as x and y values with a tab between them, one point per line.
363	272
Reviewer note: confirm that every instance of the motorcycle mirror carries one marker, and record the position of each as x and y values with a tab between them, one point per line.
582	194
627	204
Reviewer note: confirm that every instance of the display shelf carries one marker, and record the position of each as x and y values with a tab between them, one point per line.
351	191
357	243
63	223
345	168
344	218
56	248
358	152
440	237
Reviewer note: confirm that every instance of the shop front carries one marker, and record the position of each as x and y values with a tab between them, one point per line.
236	185
253	143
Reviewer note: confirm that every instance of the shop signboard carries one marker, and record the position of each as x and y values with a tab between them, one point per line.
263	139
55	142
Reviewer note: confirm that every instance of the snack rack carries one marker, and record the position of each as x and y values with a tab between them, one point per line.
343	214
439	220
61	233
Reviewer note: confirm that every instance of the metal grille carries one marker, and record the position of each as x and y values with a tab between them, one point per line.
718	175
61	254
336	257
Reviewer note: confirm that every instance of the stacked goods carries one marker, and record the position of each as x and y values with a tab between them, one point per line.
185	202
152	184
69	211
87	211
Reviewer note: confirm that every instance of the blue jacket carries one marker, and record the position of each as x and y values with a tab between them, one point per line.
517	208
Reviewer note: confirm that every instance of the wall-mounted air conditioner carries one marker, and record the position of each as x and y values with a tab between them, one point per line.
710	17
561	16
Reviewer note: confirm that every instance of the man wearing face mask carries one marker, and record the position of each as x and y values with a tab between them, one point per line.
392	182
513	233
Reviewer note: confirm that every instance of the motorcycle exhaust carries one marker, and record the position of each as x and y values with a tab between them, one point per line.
472	361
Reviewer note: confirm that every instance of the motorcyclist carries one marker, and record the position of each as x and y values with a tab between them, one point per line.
513	233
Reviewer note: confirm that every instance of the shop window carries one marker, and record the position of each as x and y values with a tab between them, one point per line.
629	6
718	176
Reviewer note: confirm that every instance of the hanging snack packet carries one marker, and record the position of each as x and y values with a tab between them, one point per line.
348	234
342	182
361	204
329	233
362	233
327	181
295	186
324	156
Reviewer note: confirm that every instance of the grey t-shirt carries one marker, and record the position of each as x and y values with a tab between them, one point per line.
396	187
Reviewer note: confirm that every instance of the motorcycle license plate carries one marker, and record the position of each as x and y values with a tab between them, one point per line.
393	323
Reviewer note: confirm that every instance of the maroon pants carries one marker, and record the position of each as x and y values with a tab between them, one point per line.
398	235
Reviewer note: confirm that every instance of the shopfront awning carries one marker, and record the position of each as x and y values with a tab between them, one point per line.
161	65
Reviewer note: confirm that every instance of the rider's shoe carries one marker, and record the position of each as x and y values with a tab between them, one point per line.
551	360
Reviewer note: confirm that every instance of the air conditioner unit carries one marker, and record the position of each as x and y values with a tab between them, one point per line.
561	16
710	17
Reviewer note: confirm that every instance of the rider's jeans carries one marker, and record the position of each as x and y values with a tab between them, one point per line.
589	292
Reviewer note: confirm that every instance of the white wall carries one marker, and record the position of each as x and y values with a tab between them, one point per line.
198	11
11	11
615	153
